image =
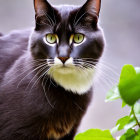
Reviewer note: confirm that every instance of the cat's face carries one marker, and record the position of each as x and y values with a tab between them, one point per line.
69	39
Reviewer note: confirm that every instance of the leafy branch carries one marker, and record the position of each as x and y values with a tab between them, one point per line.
128	90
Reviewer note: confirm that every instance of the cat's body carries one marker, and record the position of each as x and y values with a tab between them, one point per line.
16	41
25	112
36	104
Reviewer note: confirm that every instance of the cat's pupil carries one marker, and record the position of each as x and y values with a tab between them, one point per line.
78	37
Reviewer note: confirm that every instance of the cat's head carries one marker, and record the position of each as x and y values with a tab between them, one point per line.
70	42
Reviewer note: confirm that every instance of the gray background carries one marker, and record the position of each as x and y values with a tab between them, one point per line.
120	20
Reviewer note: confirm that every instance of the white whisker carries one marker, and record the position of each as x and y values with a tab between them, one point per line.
39	77
30	73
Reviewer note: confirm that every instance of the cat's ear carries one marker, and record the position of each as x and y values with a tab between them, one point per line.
91	10
41	6
93	6
43	13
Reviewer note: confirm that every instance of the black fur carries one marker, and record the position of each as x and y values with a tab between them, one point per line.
28	113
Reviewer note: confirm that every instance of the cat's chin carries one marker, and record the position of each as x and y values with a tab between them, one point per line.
72	78
64	69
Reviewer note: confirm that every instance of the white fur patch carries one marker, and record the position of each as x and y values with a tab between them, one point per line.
72	78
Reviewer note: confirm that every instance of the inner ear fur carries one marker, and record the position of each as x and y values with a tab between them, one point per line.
91	10
93	7
41	6
44	13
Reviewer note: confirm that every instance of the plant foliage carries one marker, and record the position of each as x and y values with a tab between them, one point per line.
95	134
128	90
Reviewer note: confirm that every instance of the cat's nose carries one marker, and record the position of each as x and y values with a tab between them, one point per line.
63	59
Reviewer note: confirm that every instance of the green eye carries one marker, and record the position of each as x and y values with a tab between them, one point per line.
78	38
51	38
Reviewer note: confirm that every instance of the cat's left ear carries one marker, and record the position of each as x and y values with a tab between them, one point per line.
92	8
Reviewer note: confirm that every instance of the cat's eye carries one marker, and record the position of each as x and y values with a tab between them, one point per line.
51	38
78	38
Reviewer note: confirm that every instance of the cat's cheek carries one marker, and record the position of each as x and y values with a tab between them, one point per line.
73	79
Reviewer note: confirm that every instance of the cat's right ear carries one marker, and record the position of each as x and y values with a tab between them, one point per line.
43	13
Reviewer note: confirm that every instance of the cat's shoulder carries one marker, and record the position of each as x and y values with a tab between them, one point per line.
12	46
14	43
14	38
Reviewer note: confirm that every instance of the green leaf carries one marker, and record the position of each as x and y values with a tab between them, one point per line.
129	85
121	123
113	94
138	132
128	72
137	108
115	129
137	138
138	117
95	134
132	122
123	104
138	135
129	135
137	69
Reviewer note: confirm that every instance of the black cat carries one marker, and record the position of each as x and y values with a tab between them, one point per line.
46	74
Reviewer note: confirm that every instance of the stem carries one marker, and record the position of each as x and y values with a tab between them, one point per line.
135	132
135	117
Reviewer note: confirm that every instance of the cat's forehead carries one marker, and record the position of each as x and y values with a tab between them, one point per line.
65	10
67	15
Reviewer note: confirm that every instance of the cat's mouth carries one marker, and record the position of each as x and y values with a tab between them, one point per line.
71	65
73	76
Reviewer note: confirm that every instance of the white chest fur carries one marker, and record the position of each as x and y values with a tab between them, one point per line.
72	78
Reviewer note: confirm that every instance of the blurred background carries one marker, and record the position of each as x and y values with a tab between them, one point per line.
120	21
